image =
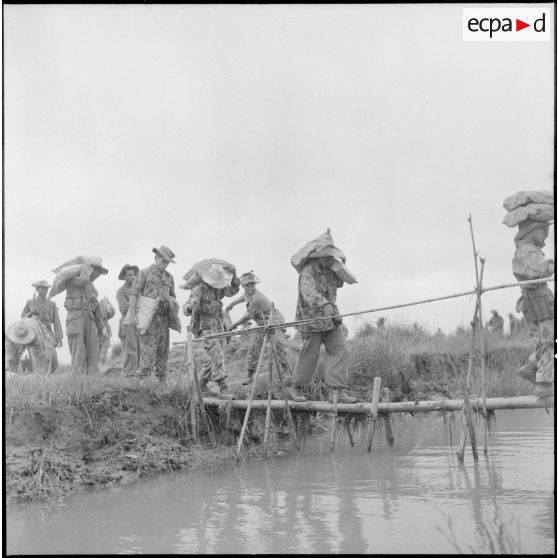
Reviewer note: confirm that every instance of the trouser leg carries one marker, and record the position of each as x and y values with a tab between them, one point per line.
162	348
307	359
336	358
75	333
544	351
92	350
131	349
14	352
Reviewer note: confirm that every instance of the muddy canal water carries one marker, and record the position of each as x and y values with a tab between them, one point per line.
412	498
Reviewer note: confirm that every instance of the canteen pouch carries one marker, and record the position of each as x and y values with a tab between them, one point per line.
538	304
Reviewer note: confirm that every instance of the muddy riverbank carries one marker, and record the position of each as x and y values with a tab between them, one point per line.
65	434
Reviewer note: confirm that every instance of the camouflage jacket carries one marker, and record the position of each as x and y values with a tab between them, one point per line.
82	296
258	307
154	283
206	308
537	301
47	312
317	286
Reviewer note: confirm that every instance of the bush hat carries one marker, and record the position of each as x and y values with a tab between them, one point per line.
165	252
97	262
216	276
21	332
248	277
41	283
125	269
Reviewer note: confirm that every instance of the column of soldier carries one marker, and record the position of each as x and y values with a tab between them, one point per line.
148	307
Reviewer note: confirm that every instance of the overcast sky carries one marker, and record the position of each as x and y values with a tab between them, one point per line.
241	132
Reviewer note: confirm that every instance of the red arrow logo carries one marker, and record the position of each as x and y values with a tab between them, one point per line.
519	25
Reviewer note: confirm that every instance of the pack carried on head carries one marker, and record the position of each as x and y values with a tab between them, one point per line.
536	205
208	268
77	267
321	247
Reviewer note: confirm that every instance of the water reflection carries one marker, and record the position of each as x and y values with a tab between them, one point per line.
395	499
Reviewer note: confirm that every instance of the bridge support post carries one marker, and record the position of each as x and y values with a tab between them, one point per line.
387	419
373	411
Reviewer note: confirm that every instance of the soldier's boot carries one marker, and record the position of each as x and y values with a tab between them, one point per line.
249	379
528	371
343	396
204	389
224	392
295	393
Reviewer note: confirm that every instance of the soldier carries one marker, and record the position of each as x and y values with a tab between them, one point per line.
156	283
128	334
83	320
496	323
33	335
536	303
515	324
107	312
322	272
258	308
47	312
205	307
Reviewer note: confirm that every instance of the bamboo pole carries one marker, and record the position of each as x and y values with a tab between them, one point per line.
373	411
478	289
194	388
333	421
284	392
371	310
387	419
492	404
252	391
268	411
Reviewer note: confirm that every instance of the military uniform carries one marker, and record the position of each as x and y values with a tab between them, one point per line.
153	282
496	324
128	333
41	349
208	318
317	287
537	304
258	308
83	323
47	313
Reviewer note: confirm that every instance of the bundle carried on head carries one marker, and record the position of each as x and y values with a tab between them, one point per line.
81	267
322	247
213	271
529	210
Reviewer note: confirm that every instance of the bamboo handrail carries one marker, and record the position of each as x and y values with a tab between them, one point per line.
254	329
495	403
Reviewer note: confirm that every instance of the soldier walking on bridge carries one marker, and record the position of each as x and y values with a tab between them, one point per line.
211	280
258	308
47	312
532	211
322	271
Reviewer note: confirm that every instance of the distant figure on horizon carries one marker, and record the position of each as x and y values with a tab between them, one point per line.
381	323
515	324
496	323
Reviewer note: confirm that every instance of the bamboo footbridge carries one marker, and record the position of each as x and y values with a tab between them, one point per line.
380	405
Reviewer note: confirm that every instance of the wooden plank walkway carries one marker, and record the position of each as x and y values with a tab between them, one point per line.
496	403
